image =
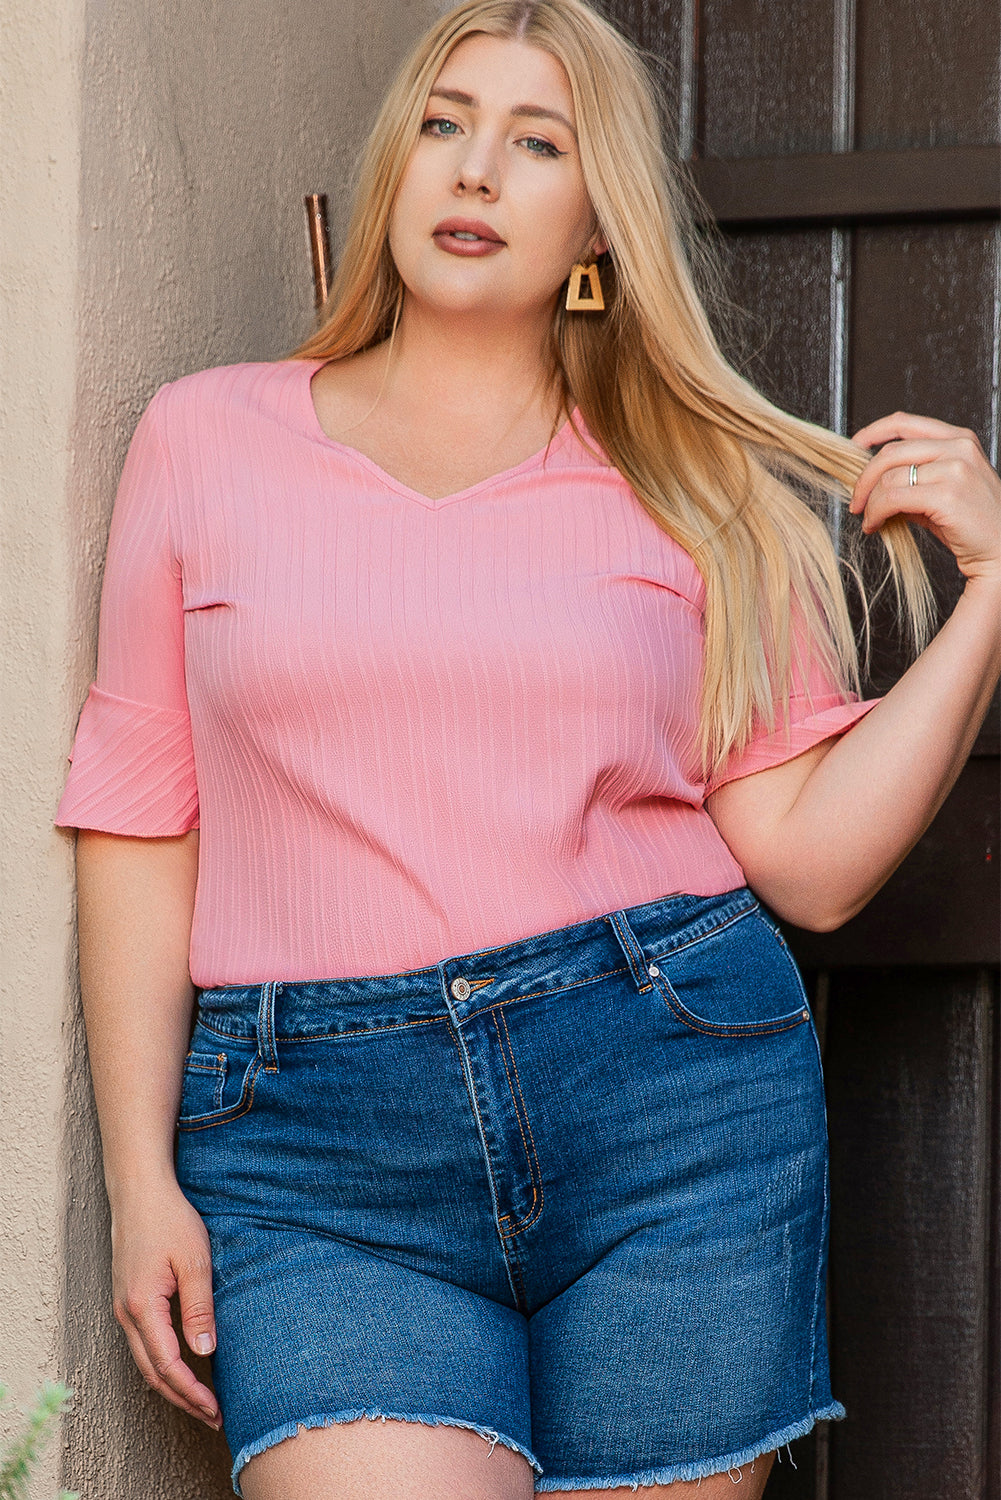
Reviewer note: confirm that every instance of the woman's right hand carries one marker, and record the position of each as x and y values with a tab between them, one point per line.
160	1246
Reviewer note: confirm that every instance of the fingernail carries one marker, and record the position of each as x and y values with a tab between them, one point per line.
212	1416
204	1343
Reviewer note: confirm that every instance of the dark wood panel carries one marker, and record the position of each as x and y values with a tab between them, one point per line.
766	78
943	905
850	186
922	323
922	340
667	36
783	279
859	306
794	1472
909	1061
656	26
927	72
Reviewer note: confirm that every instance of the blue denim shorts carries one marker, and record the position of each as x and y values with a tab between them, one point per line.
570	1193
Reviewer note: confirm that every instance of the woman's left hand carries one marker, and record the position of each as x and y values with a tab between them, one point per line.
957	496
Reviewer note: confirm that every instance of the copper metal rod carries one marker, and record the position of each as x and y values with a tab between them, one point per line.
319	244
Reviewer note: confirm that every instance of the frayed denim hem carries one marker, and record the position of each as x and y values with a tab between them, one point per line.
702	1470
291	1429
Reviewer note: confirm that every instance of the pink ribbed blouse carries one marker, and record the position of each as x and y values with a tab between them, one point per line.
408	728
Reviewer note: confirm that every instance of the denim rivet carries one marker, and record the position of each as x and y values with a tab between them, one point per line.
805	1013
461	989
653	970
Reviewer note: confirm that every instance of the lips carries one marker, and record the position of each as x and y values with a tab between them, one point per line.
468	226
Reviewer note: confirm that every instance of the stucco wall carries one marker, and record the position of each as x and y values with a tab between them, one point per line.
155	161
39	174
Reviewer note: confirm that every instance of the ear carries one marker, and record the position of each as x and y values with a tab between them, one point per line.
600	246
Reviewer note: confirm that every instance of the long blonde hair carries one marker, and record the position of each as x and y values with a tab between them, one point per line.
736	481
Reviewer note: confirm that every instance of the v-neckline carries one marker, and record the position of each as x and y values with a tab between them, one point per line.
316	431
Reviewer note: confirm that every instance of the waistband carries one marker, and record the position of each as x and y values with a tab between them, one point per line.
460	986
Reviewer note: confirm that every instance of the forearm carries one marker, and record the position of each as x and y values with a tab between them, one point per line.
135	905
821	839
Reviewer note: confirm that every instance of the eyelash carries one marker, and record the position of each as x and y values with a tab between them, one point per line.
443	120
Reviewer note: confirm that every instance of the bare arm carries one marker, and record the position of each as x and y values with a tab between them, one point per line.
135	904
819	835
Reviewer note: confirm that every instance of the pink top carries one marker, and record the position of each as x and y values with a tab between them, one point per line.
409	728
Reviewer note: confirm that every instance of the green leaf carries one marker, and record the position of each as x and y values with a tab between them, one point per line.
25	1448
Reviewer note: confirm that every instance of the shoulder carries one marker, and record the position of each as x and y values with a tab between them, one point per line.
209	427
224	408
239	386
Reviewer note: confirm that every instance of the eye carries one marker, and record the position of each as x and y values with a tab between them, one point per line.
548	149
445	134
444	129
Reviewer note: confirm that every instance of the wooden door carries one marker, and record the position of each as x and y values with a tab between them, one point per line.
849	153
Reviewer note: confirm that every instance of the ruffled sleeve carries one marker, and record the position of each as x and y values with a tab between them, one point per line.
818	710
132	765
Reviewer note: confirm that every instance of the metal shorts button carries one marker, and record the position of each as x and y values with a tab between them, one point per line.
461	989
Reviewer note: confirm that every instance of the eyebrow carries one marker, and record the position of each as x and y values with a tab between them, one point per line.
533	111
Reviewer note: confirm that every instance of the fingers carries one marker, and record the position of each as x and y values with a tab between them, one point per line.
194	1289
955	499
905	424
891	466
919	503
145	1320
940	452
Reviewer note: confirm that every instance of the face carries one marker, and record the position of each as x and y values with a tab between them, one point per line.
498	150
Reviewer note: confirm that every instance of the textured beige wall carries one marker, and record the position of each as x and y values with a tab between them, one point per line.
39	172
155	161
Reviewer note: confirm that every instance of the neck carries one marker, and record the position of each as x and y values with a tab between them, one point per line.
470	364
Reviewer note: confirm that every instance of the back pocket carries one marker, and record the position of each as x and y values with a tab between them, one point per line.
738	980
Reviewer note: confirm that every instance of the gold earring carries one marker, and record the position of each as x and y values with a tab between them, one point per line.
575	302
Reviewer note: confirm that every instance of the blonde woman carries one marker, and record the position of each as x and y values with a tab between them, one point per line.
487	664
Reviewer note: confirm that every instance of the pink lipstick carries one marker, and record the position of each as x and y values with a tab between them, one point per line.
467	237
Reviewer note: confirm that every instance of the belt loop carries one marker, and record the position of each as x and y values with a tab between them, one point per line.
266	1027
631	948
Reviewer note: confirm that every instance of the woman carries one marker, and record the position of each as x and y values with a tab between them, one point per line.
492	648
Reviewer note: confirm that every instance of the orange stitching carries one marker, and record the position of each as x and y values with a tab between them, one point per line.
724	1028
328	1036
737	916
538	1194
334	1036
425	1021
537	994
231	1036
462	1066
517	1115
224	1116
628	941
494	1195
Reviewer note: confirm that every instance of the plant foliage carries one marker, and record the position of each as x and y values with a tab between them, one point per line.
26	1447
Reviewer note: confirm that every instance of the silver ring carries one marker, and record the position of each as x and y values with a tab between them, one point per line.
914	474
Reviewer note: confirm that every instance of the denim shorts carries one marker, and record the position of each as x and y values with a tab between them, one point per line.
569	1193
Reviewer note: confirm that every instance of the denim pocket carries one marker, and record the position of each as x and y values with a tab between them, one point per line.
215	1087
737	980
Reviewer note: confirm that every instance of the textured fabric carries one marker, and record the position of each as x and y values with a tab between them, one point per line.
407	726
572	1195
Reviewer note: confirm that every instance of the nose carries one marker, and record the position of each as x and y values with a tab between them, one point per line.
477	172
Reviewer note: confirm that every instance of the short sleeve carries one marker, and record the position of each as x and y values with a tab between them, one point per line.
132	765
818	710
